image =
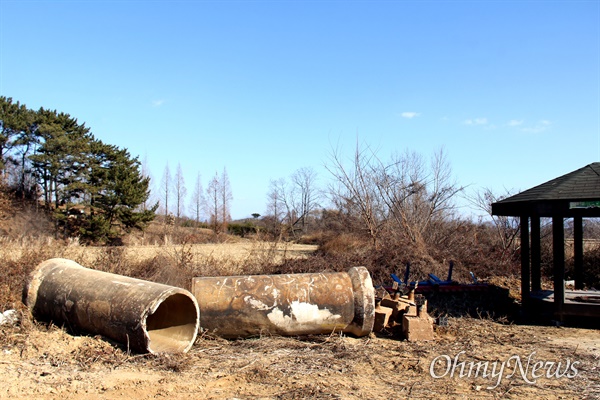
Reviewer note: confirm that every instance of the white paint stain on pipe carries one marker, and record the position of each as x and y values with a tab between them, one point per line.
257	304
303	315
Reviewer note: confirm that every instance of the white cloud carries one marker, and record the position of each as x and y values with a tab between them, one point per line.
409	114
539	127
476	121
157	103
515	122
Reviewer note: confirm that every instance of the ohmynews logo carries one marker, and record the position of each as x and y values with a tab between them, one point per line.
445	366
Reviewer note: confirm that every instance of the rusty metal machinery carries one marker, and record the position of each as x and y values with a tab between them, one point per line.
288	304
405	314
144	316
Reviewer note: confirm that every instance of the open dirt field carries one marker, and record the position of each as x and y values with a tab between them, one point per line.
37	362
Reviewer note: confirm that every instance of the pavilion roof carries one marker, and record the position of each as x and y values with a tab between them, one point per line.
568	195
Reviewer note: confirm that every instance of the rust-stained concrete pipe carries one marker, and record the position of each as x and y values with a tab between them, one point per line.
290	304
145	316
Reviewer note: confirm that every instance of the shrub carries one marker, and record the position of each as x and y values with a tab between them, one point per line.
242	229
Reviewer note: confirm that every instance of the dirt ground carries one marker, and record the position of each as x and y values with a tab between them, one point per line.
40	362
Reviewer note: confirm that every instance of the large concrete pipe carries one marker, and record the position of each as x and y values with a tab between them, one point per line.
144	316
290	304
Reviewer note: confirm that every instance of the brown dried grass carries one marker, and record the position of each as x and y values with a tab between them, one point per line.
170	264
41	361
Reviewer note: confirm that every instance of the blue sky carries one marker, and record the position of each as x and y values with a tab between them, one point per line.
510	89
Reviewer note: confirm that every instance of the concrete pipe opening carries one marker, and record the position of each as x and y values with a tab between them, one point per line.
144	316
173	326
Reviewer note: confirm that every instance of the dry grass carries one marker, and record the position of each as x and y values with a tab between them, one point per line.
170	264
41	361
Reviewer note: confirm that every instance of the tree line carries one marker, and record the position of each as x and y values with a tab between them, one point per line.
383	212
91	189
97	191
211	207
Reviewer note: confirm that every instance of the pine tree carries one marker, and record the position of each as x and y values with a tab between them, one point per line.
91	189
17	130
59	163
118	188
15	118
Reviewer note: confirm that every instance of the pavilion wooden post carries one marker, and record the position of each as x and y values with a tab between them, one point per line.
536	272
558	250
574	195
525	270
578	251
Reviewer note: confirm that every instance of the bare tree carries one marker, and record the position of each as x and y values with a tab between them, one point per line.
180	191
213	202
218	198
414	194
165	186
507	229
278	205
305	195
275	206
198	200
402	196
355	191
226	198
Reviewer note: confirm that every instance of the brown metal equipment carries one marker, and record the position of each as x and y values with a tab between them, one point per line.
144	316
289	304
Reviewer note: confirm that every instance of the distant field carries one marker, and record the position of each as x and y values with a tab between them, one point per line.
228	251
225	252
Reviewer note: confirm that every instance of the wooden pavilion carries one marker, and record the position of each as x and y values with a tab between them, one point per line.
574	195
